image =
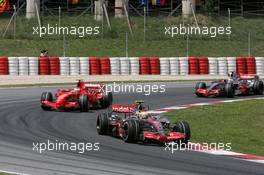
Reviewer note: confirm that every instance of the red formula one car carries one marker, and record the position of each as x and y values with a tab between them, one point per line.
82	97
139	126
236	85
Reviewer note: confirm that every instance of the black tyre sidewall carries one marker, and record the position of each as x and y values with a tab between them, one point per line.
84	103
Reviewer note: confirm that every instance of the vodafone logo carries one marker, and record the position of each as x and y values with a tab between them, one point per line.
123	109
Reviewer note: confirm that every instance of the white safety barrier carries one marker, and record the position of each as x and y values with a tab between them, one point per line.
184	65
164	66
33	63
74	66
260	65
231	64
124	66
213	65
134	65
174	66
222	66
64	66
115	65
23	65
13	65
84	66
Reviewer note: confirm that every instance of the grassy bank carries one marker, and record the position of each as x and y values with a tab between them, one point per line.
238	123
111	43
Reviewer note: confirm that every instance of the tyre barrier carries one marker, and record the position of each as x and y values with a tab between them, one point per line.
231	64
115	65
54	65
130	66
164	66
13	65
222	66
184	66
84	66
74	66
4	66
251	65
259	65
155	66
94	64
203	65
144	65
213	66
134	65
124	66
44	66
23	65
193	65
105	66
174	66
64	66
33	65
241	64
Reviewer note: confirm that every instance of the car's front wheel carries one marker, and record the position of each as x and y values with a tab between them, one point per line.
84	103
131	131
183	127
258	87
102	124
107	100
46	96
229	90
200	85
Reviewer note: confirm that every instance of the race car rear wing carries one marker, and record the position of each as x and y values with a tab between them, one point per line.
248	76
123	109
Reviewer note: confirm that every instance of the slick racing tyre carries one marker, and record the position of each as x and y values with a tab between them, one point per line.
102	124
258	87
229	90
84	103
46	96
183	127
200	85
107	100
131	131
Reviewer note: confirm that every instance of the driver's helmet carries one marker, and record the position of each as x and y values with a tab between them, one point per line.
230	74
143	115
233	75
139	105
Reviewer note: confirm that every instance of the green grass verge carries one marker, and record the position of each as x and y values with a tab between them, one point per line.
111	43
238	123
5	173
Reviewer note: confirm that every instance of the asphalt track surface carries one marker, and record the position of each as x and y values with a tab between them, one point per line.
22	122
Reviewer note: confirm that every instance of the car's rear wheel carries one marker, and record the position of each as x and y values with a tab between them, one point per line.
200	85
131	131
107	100
102	124
258	87
183	127
229	90
84	103
46	96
